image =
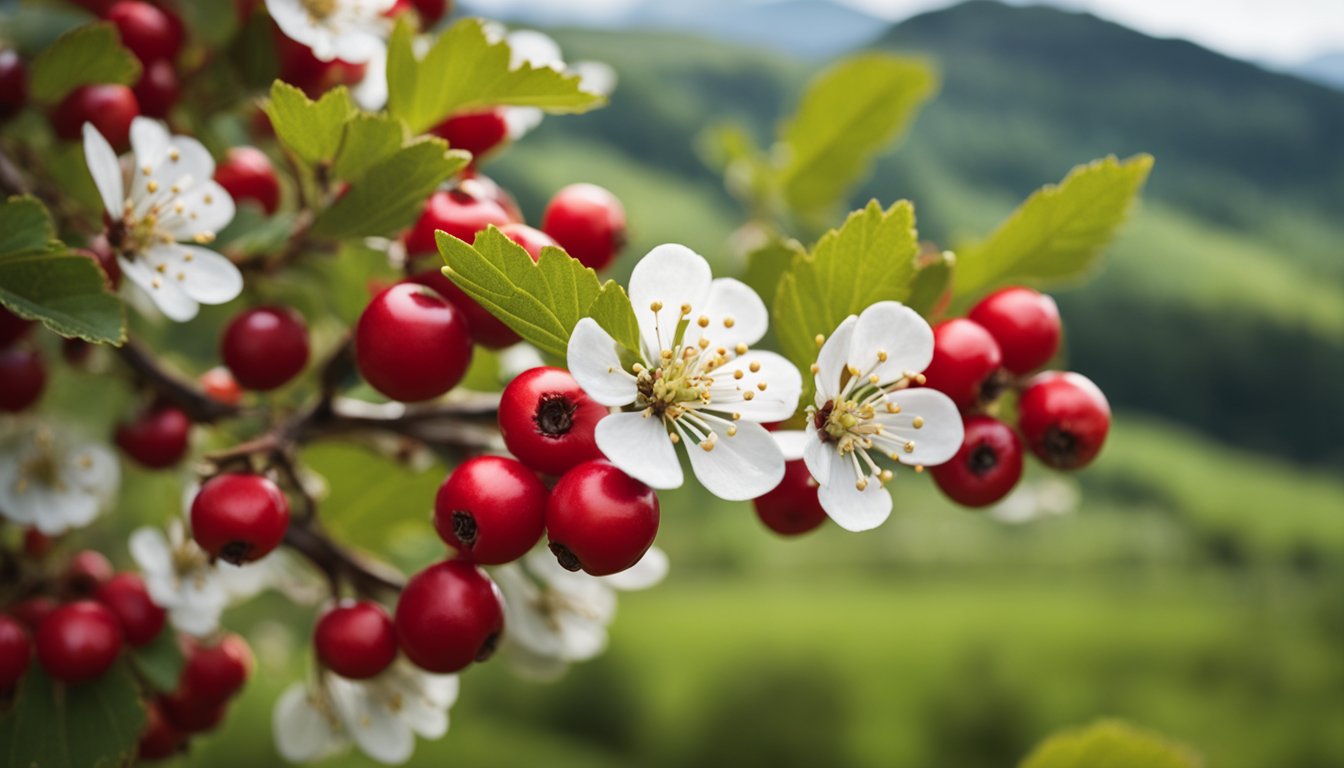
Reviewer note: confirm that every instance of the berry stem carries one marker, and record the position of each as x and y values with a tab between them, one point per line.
200	407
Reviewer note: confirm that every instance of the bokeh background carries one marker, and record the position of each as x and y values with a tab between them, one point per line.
1191	581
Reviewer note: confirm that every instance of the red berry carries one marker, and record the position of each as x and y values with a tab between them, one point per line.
22	378
600	519
532	240
219	384
213	674
965	362
239	518
110	108
103	254
588	222
431	11
299	67
548	421
792	507
33	611
145	30
1064	418
78	642
159	740
85	572
411	344
12	327
486	329
141	620
491	509
356	639
1024	322
158	437
247	174
187	714
449	615
37	544
480	185
13	83
15	651
158	90
265	347
986	467
476	132
457	212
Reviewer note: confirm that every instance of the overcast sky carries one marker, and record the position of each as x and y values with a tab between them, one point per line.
1278	31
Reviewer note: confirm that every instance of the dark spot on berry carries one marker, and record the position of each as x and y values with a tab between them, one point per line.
235	552
1062	447
488	647
567	559
555	415
983	459
820	418
464	528
995	384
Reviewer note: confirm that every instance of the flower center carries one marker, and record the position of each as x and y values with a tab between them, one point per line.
851	421
319	9
43	467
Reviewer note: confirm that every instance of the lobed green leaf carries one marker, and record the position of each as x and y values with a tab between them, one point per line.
85	55
160	661
369	140
312	130
1110	744
389	195
91	725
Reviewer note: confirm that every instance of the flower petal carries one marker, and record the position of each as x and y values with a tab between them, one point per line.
149	549
531	665
149	141
818	456
937	439
105	169
205	276
527	46
898	331
595	76
783	385
171	300
792	443
736	315
671	275
520	121
833	359
850	508
740	467
641	448
371	93
376	729
593	361
650	570
302	733
207	208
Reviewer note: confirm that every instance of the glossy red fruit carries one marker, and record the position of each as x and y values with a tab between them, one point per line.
33	611
37	544
16	649
187	714
548	421
215	673
792	507
411	344
12	327
110	108
457	212
356	639
600	519
158	89
265	347
588	222
156	438
486	329
85	573
13	83
476	132
1024	322
146	30
491	509
219	385
966	361
159	740
78	642
431	11
476	183
247	174
986	467
1065	419
303	70
449	615
239	517
531	239
141	620
23	377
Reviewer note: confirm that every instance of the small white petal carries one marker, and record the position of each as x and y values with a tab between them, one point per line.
850	508
938	438
650	570
520	121
897	330
530	665
149	549
358	47
371	93
302	733
527	46
582	638
833	359
671	275
376	730
594	362
818	456
105	169
149	141
736	302
641	448
170	299
777	402
792	443
202	274
595	76
207	209
740	467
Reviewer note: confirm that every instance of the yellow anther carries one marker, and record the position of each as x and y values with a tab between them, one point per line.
919	379
737	416
918	422
162	268
910	446
919	467
873	378
853	370
820	339
862	483
748	395
729	322
738	374
740	349
704	343
656	306
816	368
755	367
685	309
893	408
181	277
886	476
152	186
187	256
708	445
174	155
881	356
732	431
208	199
674	437
703	322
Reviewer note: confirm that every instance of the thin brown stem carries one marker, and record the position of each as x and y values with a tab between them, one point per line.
202	408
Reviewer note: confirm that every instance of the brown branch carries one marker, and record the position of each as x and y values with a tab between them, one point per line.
202	408
341	564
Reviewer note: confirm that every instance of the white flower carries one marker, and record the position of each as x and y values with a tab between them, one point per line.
180	578
350	30
54	482
864	409
173	208
696	380
382	715
556	617
1036	500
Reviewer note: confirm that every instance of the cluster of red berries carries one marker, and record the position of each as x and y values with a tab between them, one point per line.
97	614
1062	416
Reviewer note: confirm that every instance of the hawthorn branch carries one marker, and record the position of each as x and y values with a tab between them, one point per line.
202	408
339	564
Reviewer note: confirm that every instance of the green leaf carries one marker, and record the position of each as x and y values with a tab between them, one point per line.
370	496
931	282
848	114
41	279
464	71
84	55
870	258
90	725
252	231
215	23
1110	744
1059	231
369	140
766	264
160	661
541	301
388	197
311	129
